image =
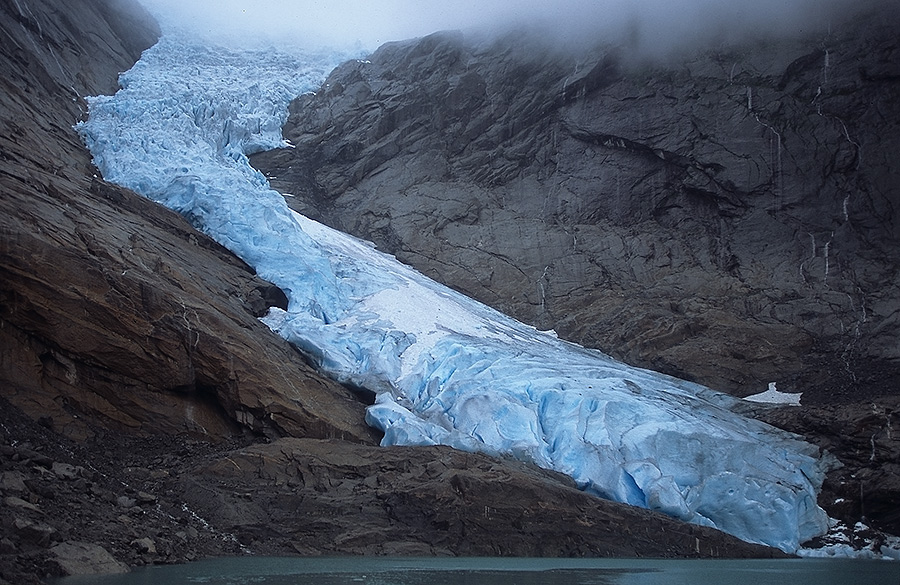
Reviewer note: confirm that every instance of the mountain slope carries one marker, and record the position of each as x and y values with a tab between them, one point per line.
731	219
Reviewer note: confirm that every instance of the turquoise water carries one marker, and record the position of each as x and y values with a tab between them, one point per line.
515	571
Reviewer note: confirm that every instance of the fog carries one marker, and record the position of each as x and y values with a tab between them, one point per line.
652	27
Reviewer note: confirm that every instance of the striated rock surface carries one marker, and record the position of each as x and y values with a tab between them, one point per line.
170	498
731	219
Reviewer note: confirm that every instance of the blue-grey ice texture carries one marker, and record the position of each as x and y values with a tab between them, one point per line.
446	369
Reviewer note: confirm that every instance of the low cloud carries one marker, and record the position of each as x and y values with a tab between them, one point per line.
652	27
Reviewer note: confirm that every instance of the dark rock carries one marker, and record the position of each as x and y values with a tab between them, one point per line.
14	502
145	498
427	501
64	470
263	297
31	456
732	218
144	545
862	435
85	558
12	481
40	487
115	312
125	502
37	533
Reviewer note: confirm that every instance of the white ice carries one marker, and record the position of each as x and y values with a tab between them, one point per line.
773	396
445	368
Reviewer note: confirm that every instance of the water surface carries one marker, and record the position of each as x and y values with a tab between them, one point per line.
508	571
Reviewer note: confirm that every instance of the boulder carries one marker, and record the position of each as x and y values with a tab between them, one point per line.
144	545
85	558
12	482
33	532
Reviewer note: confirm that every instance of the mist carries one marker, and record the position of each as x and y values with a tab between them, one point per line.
650	27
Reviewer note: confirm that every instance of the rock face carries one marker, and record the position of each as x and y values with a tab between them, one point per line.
84	558
166	499
732	219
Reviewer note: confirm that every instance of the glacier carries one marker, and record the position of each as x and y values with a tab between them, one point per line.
445	369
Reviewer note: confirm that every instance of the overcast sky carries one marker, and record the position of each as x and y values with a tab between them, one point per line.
657	25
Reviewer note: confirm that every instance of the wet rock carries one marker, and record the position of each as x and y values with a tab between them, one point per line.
425	501
115	312
730	219
145	498
30	456
41	487
85	558
862	436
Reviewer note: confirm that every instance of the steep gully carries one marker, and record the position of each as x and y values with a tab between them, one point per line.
149	417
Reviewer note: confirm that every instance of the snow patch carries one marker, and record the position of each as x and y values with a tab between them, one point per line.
773	396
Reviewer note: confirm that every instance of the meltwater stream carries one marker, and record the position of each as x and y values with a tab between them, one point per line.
446	368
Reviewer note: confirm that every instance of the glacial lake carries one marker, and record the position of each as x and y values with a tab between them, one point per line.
506	571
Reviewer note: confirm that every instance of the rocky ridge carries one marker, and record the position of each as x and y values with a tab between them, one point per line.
116	500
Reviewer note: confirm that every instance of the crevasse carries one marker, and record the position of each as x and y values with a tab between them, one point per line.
445	368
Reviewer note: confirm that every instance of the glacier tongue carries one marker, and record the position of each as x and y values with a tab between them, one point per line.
446	369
